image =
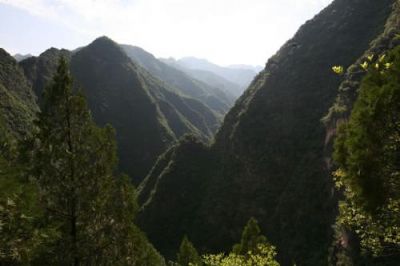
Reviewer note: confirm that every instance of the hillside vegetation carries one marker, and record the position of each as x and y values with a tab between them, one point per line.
270	149
110	156
147	114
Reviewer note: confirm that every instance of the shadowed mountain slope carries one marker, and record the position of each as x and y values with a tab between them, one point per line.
40	70
147	114
17	100
269	152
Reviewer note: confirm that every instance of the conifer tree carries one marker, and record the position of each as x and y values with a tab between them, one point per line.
23	237
253	250
188	254
251	238
73	162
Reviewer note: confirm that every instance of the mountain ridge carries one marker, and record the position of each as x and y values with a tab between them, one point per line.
233	79
216	99
122	93
17	101
270	148
240	76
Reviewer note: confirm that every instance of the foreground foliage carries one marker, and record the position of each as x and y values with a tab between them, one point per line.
367	151
188	254
264	256
253	250
73	209
23	235
270	150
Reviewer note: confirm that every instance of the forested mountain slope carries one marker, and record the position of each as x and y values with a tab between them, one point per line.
147	114
216	98
62	202
269	153
17	100
39	70
117	95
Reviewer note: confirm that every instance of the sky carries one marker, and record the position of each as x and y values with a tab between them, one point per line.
223	31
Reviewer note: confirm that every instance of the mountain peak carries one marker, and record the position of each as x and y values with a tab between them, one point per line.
103	39
3	53
106	48
53	52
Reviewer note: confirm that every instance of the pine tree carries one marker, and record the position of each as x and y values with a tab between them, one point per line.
188	254
251	238
73	162
23	237
253	250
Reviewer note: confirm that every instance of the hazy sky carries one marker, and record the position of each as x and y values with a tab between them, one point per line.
223	31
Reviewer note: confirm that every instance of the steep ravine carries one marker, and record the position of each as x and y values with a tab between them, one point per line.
269	154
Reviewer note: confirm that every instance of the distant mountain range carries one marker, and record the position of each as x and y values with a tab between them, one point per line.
20	57
234	78
242	66
217	98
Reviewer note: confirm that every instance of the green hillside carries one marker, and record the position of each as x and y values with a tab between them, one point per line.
110	156
148	114
17	101
271	146
356	87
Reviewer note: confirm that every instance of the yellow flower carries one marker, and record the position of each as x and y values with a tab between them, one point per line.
388	65
382	58
370	57
338	69
365	65
339	173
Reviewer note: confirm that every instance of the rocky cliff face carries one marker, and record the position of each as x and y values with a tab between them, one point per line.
270	149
